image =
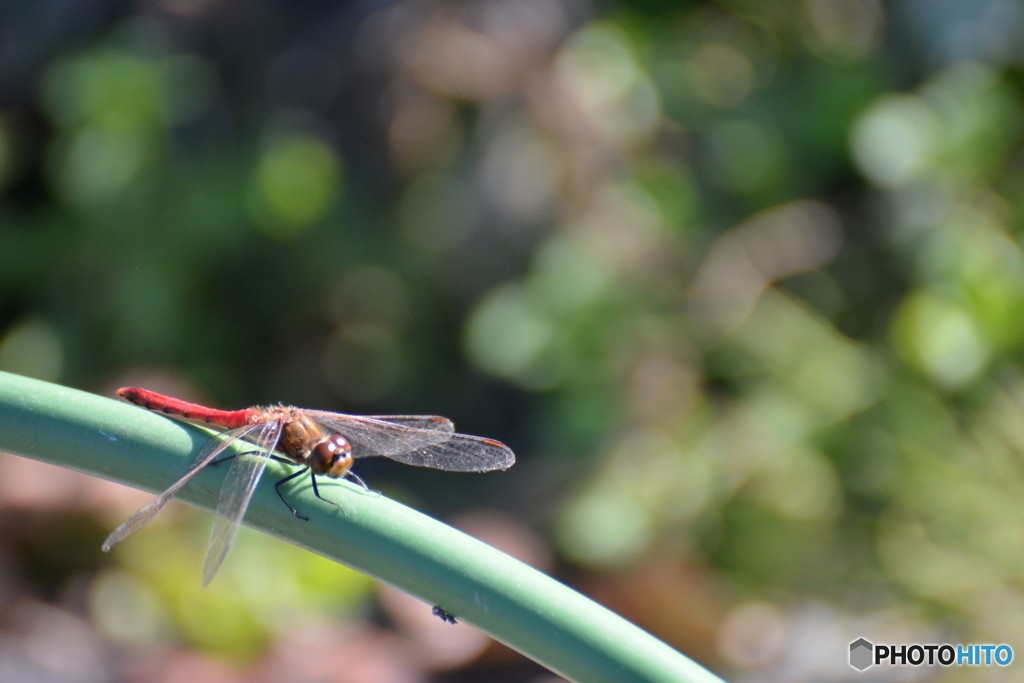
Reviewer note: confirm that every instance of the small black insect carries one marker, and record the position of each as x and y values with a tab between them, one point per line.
444	616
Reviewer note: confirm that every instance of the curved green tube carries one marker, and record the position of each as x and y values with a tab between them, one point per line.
517	605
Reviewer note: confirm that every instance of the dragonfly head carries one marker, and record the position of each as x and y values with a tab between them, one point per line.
334	454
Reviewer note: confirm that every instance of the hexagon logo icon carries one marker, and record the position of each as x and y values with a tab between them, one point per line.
860	654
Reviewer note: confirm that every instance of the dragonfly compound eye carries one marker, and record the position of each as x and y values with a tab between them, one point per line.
337	452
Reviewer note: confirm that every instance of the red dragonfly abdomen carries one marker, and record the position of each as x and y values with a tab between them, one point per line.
229	419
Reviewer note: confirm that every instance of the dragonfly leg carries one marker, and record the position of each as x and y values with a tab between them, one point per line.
316	492
228	457
359	480
277	487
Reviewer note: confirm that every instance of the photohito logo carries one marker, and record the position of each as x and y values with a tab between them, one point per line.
864	653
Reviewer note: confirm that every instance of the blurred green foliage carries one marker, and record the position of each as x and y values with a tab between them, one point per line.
742	283
270	586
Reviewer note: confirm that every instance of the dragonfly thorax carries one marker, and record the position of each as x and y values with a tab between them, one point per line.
307	443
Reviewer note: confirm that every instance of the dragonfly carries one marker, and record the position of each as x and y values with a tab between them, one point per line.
317	441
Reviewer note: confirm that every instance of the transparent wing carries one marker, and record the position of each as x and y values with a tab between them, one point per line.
430	422
460	453
239	485
422	440
387	435
210	450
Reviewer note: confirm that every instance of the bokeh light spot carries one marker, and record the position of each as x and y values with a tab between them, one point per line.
297	183
721	75
604	528
521	172
598	62
98	161
752	634
505	334
105	87
127	608
565	278
845	30
941	339
893	141
598	67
